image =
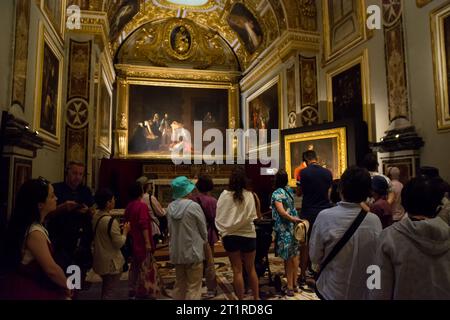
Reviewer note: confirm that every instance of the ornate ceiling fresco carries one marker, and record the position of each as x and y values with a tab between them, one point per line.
247	27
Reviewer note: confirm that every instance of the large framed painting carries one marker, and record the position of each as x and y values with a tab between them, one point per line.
104	116
348	92
161	118
49	70
338	145
344	26
329	144
263	107
440	35
248	29
54	10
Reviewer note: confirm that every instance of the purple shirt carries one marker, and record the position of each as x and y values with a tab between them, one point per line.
209	206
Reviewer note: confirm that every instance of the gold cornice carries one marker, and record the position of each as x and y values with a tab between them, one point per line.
94	23
289	41
130	73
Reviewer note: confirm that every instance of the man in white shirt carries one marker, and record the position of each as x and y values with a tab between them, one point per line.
345	276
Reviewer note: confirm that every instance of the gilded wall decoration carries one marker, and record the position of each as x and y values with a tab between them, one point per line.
308	15
177	43
344	26
21	52
83	4
76	145
79	69
422	3
308	81
48	89
291	89
244	23
440	35
121	12
396	72
392	11
77	113
55	12
278	10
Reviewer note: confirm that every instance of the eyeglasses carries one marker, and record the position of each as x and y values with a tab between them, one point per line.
43	181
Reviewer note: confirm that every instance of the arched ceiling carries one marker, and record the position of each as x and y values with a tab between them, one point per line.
270	18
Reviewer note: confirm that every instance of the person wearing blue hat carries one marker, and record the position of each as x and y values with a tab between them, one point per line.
187	228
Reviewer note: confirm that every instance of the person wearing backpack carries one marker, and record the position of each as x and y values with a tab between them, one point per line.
108	259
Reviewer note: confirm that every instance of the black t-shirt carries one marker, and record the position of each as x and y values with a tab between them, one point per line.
71	231
81	195
315	182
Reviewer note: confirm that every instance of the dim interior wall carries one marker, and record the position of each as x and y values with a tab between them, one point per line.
421	84
376	75
49	162
7	18
420	81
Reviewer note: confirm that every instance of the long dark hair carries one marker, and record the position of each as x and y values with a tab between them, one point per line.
281	179
26	212
238	182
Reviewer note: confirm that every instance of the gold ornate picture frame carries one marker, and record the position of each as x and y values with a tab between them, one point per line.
160	78
104	113
265	103
340	16
440	37
422	3
329	144
55	12
48	92
362	60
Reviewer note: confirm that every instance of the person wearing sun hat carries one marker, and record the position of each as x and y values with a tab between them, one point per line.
187	228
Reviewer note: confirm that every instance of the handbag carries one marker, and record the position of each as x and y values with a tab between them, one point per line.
301	231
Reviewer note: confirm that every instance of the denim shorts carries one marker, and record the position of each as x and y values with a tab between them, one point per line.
238	243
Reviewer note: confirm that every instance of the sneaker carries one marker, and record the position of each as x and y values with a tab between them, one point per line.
290	293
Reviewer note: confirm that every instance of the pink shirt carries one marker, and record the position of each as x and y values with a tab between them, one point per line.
397	209
137	214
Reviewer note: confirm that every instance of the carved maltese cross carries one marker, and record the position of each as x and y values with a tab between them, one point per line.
391	11
77	114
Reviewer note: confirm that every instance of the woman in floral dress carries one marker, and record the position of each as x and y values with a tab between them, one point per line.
285	216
